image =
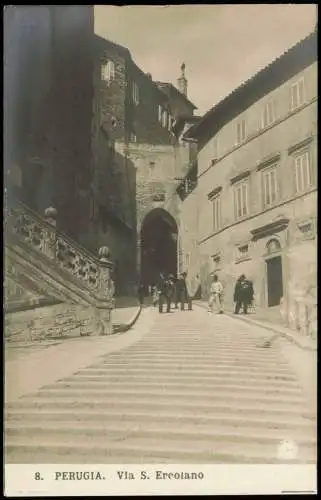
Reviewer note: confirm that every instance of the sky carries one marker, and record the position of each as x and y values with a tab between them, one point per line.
221	45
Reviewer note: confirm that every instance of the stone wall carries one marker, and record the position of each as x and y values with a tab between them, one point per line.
51	59
49	323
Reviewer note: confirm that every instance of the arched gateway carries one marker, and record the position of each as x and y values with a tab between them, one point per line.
158	246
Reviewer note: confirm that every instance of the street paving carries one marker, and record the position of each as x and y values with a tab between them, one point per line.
197	388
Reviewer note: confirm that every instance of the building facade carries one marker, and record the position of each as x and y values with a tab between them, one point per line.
256	190
133	142
90	134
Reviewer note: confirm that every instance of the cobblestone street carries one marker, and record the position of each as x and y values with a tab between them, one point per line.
184	387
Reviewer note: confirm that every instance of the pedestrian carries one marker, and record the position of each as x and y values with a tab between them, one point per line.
243	294
215	302
176	292
155	295
141	293
180	292
166	288
188	292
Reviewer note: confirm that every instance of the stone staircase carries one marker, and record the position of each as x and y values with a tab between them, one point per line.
187	392
52	285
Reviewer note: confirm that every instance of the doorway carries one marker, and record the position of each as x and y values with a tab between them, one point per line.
158	246
274	280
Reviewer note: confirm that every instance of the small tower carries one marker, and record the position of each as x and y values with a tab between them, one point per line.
182	82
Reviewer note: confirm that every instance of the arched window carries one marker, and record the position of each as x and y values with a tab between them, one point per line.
273	246
108	71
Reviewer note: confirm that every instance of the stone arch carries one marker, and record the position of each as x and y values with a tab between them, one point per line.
273	245
158	237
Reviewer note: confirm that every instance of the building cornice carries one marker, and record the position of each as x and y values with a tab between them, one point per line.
269	229
300	144
240	176
267	161
214	193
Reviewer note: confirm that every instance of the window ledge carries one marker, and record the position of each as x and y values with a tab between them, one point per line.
242	259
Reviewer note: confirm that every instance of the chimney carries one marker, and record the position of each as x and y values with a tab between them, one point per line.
182	82
149	76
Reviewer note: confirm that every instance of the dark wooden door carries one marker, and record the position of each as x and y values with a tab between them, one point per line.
274	281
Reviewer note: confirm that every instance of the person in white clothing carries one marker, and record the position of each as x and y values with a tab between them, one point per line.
215	302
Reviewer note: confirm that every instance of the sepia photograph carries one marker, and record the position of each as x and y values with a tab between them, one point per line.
160	249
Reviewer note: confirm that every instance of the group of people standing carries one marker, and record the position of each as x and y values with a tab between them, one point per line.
243	295
171	290
168	291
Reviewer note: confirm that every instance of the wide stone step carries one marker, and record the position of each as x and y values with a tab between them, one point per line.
184	370
184	407
113	430
216	365
206	388
186	379
195	449
196	360
161	394
251	350
201	358
283	423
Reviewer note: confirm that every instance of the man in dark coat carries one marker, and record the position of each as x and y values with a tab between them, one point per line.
166	288
181	291
243	294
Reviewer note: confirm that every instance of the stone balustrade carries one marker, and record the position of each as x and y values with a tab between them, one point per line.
299	312
93	274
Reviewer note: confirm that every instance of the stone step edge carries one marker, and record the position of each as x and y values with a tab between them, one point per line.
307	420
68	393
142	449
72	404
151	431
207	388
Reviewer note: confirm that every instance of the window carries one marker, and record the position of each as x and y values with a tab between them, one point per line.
164	118
243	251
303	176
240	131
135	93
268	115
270	186
170	123
108	71
216	203
297	94
132	138
160	113
241	200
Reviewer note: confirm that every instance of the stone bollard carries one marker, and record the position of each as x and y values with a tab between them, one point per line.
49	243
106	292
51	216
